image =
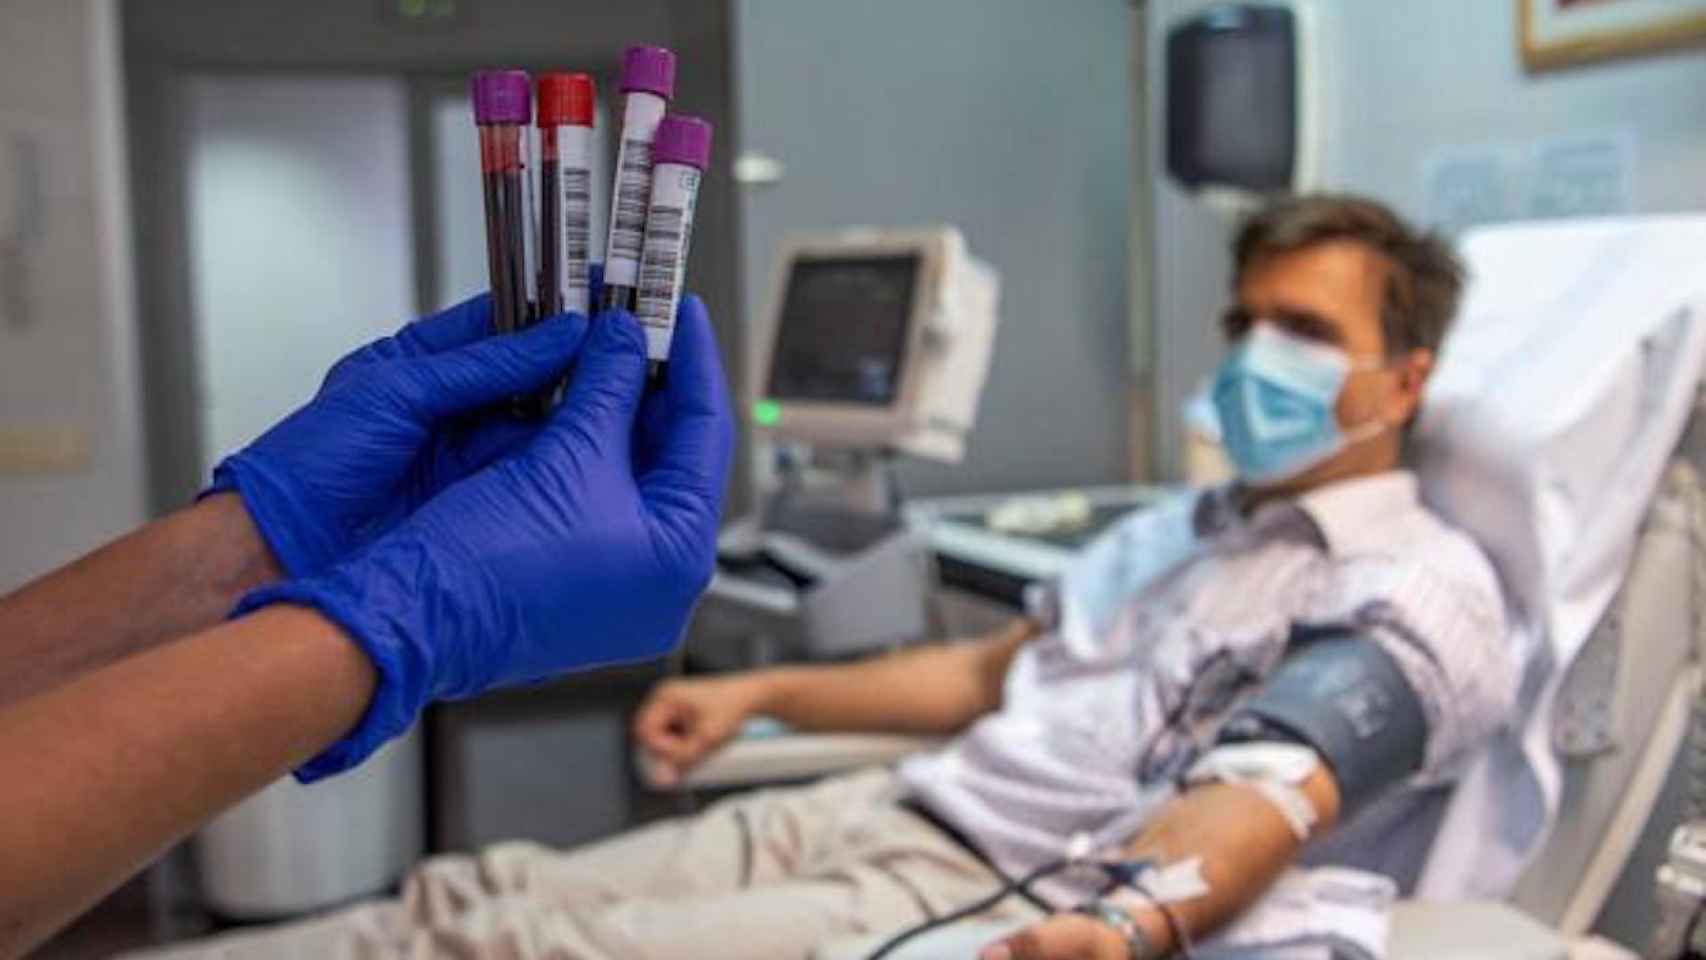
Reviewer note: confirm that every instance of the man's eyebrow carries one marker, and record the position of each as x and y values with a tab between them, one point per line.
1307	323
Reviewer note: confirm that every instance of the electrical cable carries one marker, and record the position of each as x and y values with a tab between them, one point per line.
1118	874
1007	889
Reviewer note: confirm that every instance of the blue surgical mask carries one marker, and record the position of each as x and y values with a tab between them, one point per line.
1275	394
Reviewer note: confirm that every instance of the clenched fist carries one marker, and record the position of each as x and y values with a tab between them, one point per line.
683	721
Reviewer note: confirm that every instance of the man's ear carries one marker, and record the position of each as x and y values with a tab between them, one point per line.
1412	371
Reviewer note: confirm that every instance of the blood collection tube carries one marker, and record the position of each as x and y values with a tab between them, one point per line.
679	154
648	81
502	111
565	191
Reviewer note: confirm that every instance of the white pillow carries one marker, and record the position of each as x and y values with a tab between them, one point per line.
1558	399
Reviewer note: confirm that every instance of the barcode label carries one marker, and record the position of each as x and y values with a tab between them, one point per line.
633	188
664	242
577	230
669	232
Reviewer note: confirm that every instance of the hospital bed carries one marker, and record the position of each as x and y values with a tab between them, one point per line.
1561	429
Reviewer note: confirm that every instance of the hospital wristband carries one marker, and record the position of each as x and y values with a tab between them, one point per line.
1137	943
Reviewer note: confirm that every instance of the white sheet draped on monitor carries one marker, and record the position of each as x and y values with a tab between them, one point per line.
1559	397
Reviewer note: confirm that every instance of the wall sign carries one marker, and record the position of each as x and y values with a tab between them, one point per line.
1584	175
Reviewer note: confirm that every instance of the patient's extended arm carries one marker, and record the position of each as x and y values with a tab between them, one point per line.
934	689
1335	726
172	577
1244	844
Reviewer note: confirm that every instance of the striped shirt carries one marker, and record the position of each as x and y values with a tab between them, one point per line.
1091	735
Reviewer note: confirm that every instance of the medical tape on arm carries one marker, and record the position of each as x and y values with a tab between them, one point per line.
1173	883
1274	770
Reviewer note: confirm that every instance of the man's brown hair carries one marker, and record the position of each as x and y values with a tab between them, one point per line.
1425	278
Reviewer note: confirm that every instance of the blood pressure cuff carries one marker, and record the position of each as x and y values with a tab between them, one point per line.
1338	692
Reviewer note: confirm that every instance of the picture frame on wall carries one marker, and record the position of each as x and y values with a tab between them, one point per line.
1565	33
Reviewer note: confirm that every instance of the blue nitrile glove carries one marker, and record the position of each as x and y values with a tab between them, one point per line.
588	547
394	423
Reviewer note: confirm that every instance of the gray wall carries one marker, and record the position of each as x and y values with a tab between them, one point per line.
68	371
1408	78
1008	118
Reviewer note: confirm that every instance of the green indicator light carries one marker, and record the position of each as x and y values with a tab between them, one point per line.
767	413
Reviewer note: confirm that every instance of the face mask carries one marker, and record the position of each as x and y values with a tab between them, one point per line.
1275	395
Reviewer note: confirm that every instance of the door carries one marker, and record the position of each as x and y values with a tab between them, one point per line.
299	246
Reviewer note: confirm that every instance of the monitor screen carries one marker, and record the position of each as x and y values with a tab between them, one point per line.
1231	98
843	330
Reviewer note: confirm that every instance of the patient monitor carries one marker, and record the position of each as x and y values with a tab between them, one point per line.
875	346
877	339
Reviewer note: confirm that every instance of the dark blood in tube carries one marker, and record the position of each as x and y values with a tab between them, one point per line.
503	106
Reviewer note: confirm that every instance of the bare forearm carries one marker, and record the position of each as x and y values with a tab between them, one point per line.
1244	844
147	749
938	689
168	579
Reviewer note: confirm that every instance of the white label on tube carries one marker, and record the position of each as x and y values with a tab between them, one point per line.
669	232
574	226
640	118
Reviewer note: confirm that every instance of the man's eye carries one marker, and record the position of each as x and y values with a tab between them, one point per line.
1236	322
1306	326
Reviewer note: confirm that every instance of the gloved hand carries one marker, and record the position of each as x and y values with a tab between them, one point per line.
394	423
589	546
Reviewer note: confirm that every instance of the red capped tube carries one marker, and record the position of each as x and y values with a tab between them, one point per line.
566	106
